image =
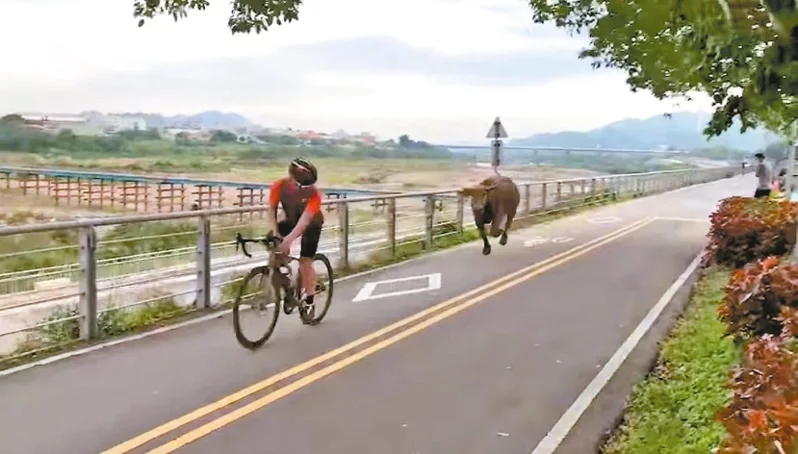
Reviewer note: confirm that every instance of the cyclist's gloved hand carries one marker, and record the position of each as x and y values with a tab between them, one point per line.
285	246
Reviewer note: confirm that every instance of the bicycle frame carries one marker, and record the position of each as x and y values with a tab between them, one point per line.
280	280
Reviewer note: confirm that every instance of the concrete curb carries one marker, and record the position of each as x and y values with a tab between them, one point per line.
607	411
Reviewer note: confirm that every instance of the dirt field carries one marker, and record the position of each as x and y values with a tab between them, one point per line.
399	175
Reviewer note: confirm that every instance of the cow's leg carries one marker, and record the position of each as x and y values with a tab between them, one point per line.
507	226
496	227
481	227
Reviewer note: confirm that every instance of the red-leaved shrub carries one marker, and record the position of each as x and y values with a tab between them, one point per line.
762	416
744	229
756	295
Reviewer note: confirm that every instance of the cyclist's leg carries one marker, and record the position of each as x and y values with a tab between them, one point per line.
310	245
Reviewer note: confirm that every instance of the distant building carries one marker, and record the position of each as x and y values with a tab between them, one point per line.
340	134
114	123
309	135
365	138
283	132
57	123
192	135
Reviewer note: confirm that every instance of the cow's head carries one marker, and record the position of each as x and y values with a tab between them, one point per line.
479	196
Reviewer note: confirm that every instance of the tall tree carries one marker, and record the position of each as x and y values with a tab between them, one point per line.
245	16
742	53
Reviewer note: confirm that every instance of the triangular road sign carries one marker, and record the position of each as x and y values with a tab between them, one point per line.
497	130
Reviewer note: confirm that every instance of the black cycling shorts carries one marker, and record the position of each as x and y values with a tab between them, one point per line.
310	238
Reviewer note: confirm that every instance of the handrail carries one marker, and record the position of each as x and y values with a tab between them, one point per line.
127	219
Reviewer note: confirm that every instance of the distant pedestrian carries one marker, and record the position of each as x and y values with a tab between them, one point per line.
763	175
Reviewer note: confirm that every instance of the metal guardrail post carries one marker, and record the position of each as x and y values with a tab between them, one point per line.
203	263
460	214
429	221
527	198
545	190
87	306
390	221
343	234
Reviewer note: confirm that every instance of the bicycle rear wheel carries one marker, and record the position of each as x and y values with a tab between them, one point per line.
257	291
324	292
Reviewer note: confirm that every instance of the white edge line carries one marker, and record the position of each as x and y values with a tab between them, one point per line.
557	434
603	220
678	219
164	329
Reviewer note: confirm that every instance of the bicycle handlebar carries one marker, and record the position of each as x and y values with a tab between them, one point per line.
270	241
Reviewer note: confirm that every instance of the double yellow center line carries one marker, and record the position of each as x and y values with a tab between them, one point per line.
407	327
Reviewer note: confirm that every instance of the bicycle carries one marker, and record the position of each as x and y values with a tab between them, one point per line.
279	289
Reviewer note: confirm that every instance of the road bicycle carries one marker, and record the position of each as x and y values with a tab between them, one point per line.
275	288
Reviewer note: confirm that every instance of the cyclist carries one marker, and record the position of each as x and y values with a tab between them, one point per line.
301	202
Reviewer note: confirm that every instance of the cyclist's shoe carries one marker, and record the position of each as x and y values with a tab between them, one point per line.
288	306
309	307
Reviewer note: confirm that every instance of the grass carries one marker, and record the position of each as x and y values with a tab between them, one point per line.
62	335
673	410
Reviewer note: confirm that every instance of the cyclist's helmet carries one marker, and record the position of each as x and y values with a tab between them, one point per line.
303	171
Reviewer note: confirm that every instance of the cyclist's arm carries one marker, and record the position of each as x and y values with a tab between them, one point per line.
312	208
274	201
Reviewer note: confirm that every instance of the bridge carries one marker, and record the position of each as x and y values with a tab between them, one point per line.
569	150
524	350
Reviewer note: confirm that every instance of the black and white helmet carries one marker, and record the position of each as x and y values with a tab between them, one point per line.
303	171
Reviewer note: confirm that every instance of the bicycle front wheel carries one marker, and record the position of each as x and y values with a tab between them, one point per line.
257	292
323	293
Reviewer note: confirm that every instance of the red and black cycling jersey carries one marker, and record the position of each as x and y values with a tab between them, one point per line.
296	200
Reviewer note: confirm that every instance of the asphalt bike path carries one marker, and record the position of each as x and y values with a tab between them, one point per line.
137	396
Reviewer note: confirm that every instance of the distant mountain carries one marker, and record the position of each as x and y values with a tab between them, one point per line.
682	131
205	120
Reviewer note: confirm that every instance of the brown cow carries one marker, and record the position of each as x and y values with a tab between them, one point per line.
492	200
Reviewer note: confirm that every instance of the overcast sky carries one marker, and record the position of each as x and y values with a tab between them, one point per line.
439	70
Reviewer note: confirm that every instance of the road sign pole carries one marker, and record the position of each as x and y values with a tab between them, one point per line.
496	153
496	133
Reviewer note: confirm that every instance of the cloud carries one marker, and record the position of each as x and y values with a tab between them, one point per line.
388	56
436	69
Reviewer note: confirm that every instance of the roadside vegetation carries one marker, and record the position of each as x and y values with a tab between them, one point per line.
61	329
728	375
674	409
